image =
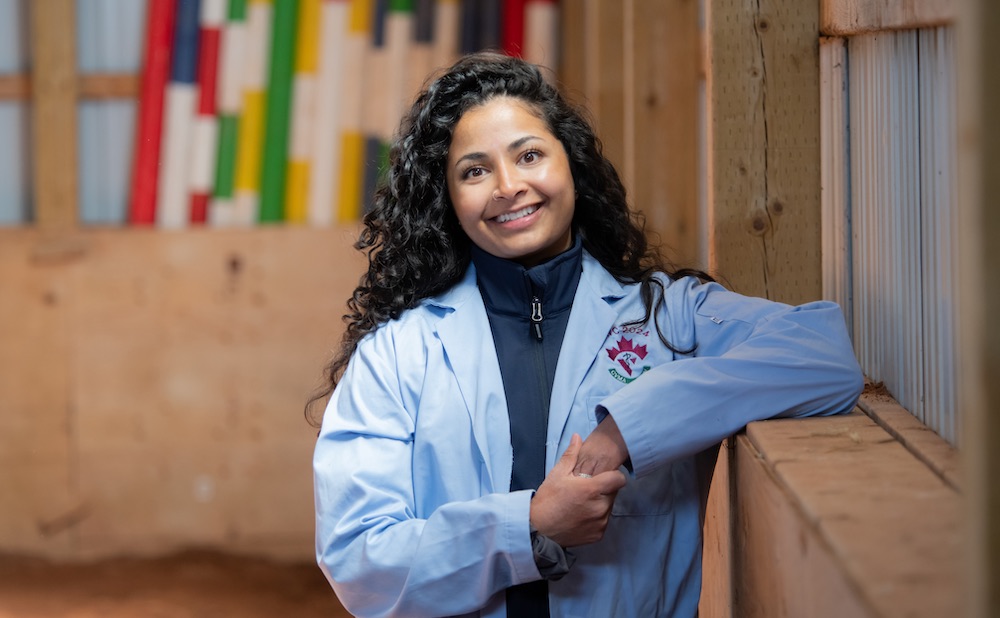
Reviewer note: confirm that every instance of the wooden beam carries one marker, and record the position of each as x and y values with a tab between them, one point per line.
54	97
850	17
835	518
92	86
14	87
108	86
763	141
978	184
663	106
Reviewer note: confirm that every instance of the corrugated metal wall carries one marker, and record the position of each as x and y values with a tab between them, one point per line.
939	191
109	40
14	120
896	270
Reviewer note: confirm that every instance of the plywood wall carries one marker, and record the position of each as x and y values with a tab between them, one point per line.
152	387
763	144
636	65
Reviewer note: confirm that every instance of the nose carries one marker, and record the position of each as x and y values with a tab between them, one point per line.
509	181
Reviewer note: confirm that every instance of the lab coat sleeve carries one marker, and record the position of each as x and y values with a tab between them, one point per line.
754	359
380	557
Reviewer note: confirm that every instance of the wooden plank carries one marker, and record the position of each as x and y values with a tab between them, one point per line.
14	87
717	554
108	86
605	88
763	140
850	17
782	565
37	459
92	86
53	91
664	122
979	219
930	448
572	55
888	524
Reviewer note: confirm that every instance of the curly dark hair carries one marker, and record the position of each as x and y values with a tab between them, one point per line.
411	235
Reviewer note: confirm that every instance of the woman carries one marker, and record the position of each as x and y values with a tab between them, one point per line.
511	306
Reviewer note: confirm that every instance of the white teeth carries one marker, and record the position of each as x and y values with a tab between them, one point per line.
517	214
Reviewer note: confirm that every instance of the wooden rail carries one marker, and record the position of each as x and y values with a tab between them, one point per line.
850	17
92	86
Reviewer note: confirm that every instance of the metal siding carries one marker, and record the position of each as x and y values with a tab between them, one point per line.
939	234
109	40
15	172
902	208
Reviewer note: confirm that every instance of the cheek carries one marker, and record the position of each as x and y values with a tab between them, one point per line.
456	202
558	180
467	204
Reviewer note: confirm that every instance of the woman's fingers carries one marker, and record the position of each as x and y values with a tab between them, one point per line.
604	449
573	509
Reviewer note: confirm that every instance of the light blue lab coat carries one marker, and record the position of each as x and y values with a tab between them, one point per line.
413	462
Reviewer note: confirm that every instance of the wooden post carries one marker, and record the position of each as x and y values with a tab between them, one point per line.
763	143
979	158
54	96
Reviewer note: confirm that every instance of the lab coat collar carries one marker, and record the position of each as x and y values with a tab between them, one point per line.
599	283
473	358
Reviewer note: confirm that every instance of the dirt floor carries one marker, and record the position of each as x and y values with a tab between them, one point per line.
189	585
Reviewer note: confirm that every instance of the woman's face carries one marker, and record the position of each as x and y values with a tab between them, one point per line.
510	183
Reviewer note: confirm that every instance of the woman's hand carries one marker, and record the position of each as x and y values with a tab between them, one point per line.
603	450
573	509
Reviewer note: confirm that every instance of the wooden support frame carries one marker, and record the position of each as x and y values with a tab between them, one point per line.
93	86
54	97
850	17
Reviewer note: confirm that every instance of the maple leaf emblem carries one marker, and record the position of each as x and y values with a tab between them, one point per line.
625	354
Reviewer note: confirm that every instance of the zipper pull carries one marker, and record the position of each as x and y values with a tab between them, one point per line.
536	316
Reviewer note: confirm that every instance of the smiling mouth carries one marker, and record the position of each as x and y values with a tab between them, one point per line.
514	216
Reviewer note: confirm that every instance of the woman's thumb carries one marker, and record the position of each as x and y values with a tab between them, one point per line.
572	452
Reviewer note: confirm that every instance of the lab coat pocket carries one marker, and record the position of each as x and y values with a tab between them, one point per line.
655	493
652	494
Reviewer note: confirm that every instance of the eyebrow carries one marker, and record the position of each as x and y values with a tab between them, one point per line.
479	156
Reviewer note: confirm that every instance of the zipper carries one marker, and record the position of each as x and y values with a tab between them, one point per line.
536	317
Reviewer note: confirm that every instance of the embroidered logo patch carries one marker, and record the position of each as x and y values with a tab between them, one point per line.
627	359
